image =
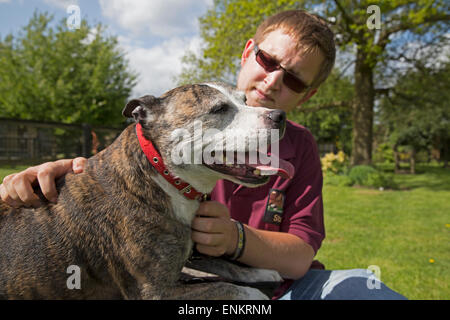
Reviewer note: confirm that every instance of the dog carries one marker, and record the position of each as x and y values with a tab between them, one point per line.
121	229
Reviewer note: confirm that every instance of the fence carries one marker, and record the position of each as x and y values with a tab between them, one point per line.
29	142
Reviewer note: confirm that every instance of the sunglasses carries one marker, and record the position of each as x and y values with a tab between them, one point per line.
269	64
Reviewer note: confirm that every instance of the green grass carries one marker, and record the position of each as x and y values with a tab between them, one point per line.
397	230
6	170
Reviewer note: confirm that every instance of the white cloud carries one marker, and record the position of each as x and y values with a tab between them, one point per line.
157	66
155	17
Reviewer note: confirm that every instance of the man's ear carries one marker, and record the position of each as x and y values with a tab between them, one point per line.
307	96
247	51
140	108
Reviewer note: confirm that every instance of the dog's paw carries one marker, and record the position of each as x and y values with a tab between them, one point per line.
263	275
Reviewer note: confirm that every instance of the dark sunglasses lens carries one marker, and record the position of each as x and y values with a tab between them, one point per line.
269	64
266	61
293	83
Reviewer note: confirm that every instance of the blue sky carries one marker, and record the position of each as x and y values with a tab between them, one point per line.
154	33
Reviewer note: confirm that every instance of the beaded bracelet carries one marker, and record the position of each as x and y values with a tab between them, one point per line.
241	241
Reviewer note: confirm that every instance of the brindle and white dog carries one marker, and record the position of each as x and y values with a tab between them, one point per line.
122	223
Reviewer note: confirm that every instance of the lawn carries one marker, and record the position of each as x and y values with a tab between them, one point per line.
404	232
6	170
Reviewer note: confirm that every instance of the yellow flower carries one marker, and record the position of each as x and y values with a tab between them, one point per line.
431	261
447	225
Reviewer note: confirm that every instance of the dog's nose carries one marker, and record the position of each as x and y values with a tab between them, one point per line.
277	116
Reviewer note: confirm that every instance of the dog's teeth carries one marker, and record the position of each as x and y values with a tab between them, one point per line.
256	172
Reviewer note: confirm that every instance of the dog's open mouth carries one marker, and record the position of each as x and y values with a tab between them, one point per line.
251	171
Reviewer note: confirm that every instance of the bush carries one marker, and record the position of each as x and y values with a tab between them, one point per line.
359	174
339	180
369	177
383	154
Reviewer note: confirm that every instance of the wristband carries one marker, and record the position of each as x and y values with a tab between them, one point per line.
241	241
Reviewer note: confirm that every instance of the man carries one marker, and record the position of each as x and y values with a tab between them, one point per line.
291	54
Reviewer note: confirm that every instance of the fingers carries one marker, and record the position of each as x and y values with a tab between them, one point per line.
79	164
212	228
48	172
17	190
209	243
6	195
213	209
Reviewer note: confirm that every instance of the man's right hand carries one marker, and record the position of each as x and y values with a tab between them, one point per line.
17	189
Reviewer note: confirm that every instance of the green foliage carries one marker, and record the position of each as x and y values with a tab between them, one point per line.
54	74
384	153
415	112
225	28
329	123
368	176
338	180
359	174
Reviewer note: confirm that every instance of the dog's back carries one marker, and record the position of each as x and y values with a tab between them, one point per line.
37	247
94	226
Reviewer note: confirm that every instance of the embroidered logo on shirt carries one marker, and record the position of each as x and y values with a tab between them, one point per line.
274	207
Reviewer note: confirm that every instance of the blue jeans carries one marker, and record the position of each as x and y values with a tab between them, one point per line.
355	284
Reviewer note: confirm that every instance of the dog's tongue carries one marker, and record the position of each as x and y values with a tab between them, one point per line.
285	169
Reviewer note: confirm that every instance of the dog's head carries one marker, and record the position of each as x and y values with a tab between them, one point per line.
206	132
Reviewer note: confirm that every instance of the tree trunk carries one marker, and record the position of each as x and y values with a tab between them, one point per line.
412	162
362	111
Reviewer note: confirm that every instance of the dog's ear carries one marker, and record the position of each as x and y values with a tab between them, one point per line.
138	108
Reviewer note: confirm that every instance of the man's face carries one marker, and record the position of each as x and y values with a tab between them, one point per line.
266	89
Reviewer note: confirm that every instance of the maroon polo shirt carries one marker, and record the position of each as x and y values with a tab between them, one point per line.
302	212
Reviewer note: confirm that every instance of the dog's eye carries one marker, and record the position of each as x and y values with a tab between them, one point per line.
220	108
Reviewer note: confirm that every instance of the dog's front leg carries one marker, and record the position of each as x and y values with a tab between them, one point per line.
232	271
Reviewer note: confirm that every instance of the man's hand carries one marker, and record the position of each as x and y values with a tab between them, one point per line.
213	230
17	189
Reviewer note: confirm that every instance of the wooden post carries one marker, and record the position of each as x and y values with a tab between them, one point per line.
87	140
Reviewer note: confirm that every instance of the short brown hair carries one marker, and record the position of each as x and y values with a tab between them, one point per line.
311	33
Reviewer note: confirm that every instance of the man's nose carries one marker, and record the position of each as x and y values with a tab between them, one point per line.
274	79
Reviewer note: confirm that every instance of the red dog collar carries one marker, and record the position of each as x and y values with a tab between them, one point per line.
156	161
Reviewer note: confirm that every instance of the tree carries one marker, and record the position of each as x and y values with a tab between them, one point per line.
329	115
55	74
416	110
229	23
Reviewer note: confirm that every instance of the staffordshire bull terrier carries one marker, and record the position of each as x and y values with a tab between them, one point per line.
121	229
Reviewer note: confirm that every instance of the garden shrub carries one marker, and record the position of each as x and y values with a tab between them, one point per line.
359	174
369	177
